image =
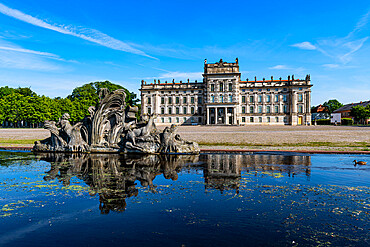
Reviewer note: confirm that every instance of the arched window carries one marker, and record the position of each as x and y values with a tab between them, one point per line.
212	98
221	98
230	87
230	98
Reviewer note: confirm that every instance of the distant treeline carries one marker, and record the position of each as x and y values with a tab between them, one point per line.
21	107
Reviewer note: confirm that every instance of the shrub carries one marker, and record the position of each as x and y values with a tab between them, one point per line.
323	121
347	121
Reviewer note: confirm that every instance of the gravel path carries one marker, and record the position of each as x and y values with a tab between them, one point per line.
247	137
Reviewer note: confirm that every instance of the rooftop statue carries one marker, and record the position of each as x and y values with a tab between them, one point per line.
112	127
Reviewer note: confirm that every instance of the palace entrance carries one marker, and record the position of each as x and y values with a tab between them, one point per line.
220	115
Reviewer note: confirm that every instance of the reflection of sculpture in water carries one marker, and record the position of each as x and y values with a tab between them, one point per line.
112	127
114	177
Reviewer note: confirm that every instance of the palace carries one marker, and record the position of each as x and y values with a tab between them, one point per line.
222	98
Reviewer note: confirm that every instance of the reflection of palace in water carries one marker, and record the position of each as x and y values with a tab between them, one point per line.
114	177
223	171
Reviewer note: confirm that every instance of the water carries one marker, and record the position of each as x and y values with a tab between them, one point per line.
200	200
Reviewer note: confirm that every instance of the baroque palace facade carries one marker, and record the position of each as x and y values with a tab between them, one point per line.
223	98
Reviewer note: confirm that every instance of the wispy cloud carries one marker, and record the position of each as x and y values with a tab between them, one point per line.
305	46
340	49
280	67
88	34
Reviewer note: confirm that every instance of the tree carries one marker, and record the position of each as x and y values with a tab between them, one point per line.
332	105
360	113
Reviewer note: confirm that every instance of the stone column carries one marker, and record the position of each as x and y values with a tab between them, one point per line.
216	117
207	116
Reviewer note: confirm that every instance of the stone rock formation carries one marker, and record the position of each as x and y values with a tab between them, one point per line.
113	127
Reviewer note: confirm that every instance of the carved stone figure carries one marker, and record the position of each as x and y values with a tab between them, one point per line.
112	127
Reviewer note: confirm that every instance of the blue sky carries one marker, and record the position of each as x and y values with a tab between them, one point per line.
53	46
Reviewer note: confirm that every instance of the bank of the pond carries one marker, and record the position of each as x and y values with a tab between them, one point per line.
237	151
302	139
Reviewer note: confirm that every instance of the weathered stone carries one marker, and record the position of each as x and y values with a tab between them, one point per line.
112	127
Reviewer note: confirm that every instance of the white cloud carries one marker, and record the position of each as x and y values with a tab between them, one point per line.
280	67
305	46
46	54
91	35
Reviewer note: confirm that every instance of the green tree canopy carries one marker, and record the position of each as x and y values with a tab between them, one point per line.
332	105
22	104
360	112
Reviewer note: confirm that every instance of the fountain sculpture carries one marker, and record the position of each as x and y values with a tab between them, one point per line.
112	127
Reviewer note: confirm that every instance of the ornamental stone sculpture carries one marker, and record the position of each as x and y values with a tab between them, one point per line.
112	127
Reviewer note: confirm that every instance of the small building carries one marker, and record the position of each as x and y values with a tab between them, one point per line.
345	111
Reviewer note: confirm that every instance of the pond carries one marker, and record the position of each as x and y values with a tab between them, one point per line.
255	199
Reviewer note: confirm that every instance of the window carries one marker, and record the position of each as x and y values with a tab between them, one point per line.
162	92
243	109
243	99
184	100
276	109
199	120
268	90
213	99
149	100
260	119
222	98
285	98
284	89
170	120
277	119
184	110
268	119
276	89
162	100
200	91
259	109
285	109
268	109
177	120
221	86
199	110
251	99
268	98
177	100
192	110
300	109
230	98
243	119
192	100
162	110
212	87
285	119
177	110
184	91
251	90
300	97
149	110
251	109
259	98
230	87
169	110
199	99
300	89
162	119
276	98
170	100
243	90
251	119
